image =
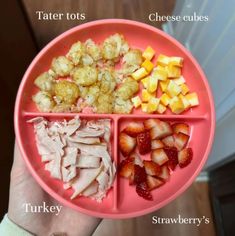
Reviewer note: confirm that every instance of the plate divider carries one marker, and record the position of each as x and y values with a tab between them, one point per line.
113	116
115	147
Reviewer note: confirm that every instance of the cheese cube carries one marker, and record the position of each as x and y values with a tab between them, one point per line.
144	107
148	53
161	109
152	105
192	98
173	71
148	65
179	80
165	99
184	89
173	89
177	61
139	74
164	84
159	67
152	84
136	101
163	60
185	101
145	81
176	105
146	95
159	74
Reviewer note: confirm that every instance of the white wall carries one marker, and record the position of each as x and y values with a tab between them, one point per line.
213	44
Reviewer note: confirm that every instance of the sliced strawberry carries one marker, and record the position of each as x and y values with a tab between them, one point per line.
144	142
126	170
185	156
165	173
169	141
181	140
134	128
154	182
125	161
156	143
150	123
152	168
139	174
126	144
143	191
131	178
161	130
137	159
180	128
159	156
172	154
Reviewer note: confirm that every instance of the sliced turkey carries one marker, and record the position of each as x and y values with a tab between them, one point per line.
91	189
85	178
87	140
88	161
78	153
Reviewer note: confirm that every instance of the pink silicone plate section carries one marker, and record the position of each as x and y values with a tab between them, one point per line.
122	200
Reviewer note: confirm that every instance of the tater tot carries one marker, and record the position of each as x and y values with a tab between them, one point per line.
76	52
107	81
44	101
122	106
66	91
104	104
92	95
63	107
45	82
114	46
133	57
127	89
85	76
62	66
87	60
83	91
93	50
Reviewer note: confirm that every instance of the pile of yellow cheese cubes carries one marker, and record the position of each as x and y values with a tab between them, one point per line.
166	74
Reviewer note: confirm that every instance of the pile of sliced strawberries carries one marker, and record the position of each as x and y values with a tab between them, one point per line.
166	143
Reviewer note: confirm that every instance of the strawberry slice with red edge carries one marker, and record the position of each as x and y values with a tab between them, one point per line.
161	130
144	143
129	159
181	140
126	144
165	175
150	123
169	141
172	154
143	191
185	157
134	128
139	174
154	182
159	156
156	143
152	168
137	159
180	128
126	167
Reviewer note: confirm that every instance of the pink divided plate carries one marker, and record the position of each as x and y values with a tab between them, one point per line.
122	200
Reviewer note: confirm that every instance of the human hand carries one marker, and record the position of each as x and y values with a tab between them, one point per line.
24	189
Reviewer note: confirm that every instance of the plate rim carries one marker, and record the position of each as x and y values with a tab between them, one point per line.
114	215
